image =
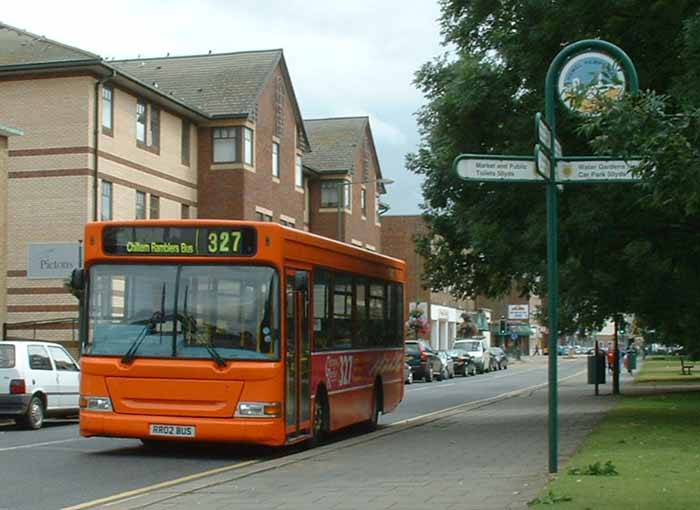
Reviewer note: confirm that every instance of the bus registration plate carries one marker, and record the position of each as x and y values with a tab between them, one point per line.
172	430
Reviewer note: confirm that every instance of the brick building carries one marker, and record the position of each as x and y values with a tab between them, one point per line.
345	201
5	134
443	310
204	136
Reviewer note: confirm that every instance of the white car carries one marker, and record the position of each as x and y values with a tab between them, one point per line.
479	352
37	380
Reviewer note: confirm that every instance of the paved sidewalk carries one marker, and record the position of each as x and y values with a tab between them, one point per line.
493	457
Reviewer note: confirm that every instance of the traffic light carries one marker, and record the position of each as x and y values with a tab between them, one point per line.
623	326
502	327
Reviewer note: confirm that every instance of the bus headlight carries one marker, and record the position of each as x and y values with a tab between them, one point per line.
258	410
96	404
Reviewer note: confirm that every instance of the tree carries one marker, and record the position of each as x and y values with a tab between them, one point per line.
622	248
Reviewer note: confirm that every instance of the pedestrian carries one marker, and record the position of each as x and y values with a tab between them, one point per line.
537	350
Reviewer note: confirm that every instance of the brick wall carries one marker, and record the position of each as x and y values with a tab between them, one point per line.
359	227
50	185
3	229
234	191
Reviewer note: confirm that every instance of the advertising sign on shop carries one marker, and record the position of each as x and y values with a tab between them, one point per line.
518	312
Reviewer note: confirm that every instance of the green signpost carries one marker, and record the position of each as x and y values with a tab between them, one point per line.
578	77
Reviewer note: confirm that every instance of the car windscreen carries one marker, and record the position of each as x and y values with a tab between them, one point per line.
457	352
469	346
183	311
7	356
412	348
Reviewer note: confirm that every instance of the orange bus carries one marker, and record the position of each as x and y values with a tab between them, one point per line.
244	332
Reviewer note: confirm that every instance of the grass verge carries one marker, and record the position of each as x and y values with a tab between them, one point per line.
643	456
666	369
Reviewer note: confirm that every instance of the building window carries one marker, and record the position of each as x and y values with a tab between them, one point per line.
140	205
154	140
248	146
185	143
155	207
275	159
141	116
347	202
224	144
329	193
363	202
261	216
185	212
107	109
298	176
106	201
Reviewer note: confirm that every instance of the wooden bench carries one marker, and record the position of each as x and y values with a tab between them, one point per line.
685	368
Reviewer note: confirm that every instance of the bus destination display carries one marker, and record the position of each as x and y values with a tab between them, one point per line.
180	241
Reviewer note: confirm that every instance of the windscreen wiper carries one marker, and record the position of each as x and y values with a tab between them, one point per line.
131	352
216	356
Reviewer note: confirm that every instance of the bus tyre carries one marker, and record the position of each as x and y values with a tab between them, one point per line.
320	418
376	408
34	417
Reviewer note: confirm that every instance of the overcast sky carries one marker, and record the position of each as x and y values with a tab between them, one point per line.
345	58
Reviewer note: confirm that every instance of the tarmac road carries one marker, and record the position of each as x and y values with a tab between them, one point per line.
56	468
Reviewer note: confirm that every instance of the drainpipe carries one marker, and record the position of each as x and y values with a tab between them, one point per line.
96	141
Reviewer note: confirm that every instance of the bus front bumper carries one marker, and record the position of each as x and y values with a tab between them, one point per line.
269	432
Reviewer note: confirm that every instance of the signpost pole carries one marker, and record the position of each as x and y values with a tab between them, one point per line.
552	273
601	67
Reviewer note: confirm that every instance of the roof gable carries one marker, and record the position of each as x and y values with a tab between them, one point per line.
22	47
334	143
225	84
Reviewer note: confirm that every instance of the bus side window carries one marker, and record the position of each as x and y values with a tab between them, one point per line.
322	316
377	314
342	311
359	315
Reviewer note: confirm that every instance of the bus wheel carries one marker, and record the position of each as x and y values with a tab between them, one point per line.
376	408
320	418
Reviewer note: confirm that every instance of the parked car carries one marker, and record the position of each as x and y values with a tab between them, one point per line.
448	365
424	361
462	362
407	373
478	351
37	380
498	355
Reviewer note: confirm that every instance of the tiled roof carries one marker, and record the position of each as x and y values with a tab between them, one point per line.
21	47
220	84
334	142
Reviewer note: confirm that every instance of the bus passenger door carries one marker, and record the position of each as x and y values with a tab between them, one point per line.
298	354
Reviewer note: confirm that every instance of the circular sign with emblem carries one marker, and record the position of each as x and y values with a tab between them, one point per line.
589	77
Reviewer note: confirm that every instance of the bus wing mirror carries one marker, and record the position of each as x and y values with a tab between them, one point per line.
76	283
301	281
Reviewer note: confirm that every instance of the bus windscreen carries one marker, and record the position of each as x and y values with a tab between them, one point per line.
180	241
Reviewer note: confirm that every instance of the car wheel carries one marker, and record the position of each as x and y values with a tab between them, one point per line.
409	379
428	377
441	375
34	418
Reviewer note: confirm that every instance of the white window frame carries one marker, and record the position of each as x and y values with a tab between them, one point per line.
224	138
275	159
298	173
107	107
107	201
248	146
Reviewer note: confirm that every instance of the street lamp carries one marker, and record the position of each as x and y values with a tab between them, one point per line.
341	186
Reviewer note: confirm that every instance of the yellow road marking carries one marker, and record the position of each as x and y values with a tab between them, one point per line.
162	485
